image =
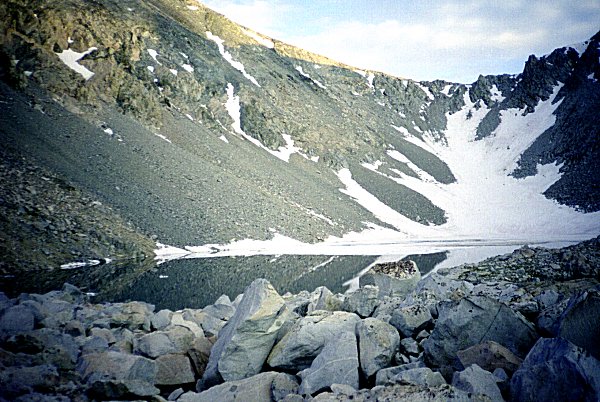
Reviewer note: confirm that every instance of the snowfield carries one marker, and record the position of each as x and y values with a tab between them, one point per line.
484	207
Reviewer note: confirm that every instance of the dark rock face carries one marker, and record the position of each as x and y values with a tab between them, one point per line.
557	369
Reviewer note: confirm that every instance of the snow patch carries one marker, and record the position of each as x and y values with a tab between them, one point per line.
229	58
150	68
163	137
426	90
192	8
224	139
173	71
316	82
70	58
154	54
187	68
370	79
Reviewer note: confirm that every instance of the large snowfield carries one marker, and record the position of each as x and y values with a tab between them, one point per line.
488	211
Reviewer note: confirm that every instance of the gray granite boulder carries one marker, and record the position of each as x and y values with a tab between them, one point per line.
16	319
255	388
410	320
154	344
161	319
377	342
174	369
246	340
557	370
362	301
387	375
115	375
395	279
323	299
477	381
336	364
307	337
423	376
473	320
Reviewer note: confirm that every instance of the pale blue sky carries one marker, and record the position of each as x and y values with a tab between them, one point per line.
455	40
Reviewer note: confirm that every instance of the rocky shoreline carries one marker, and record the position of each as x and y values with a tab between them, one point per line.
521	326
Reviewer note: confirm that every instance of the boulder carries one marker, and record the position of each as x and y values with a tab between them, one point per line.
284	385
362	301
386	375
199	354
489	356
16	319
395	279
377	343
307	337
180	322
15	381
409	346
579	322
477	381
132	315
154	344
557	370
422	376
174	369
255	388
323	299
161	319
410	320
473	320
246	340
115	375
336	364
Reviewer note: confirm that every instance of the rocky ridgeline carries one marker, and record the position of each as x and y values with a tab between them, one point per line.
521	326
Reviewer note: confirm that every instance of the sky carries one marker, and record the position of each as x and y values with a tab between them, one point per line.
454	40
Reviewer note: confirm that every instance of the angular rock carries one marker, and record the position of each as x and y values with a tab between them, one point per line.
336	364
477	381
377	342
579	323
114	375
489	356
132	315
284	385
161	319
423	376
246	340
308	336
386	375
323	299
199	354
255	388
410	320
16	319
557	370
410	347
19	380
154	344
473	320
362	301
395	279
173	369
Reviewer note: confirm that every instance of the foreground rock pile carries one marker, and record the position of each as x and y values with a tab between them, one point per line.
522	326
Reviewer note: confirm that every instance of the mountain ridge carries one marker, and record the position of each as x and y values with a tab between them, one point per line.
167	90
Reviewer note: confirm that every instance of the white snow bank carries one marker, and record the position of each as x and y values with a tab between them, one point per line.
70	58
154	54
302	73
229	58
187	68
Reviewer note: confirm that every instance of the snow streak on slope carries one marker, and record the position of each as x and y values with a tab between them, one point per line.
229	58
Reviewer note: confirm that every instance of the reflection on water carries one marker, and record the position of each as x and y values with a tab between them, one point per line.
196	283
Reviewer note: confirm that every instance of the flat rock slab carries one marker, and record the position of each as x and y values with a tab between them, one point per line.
255	388
489	356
